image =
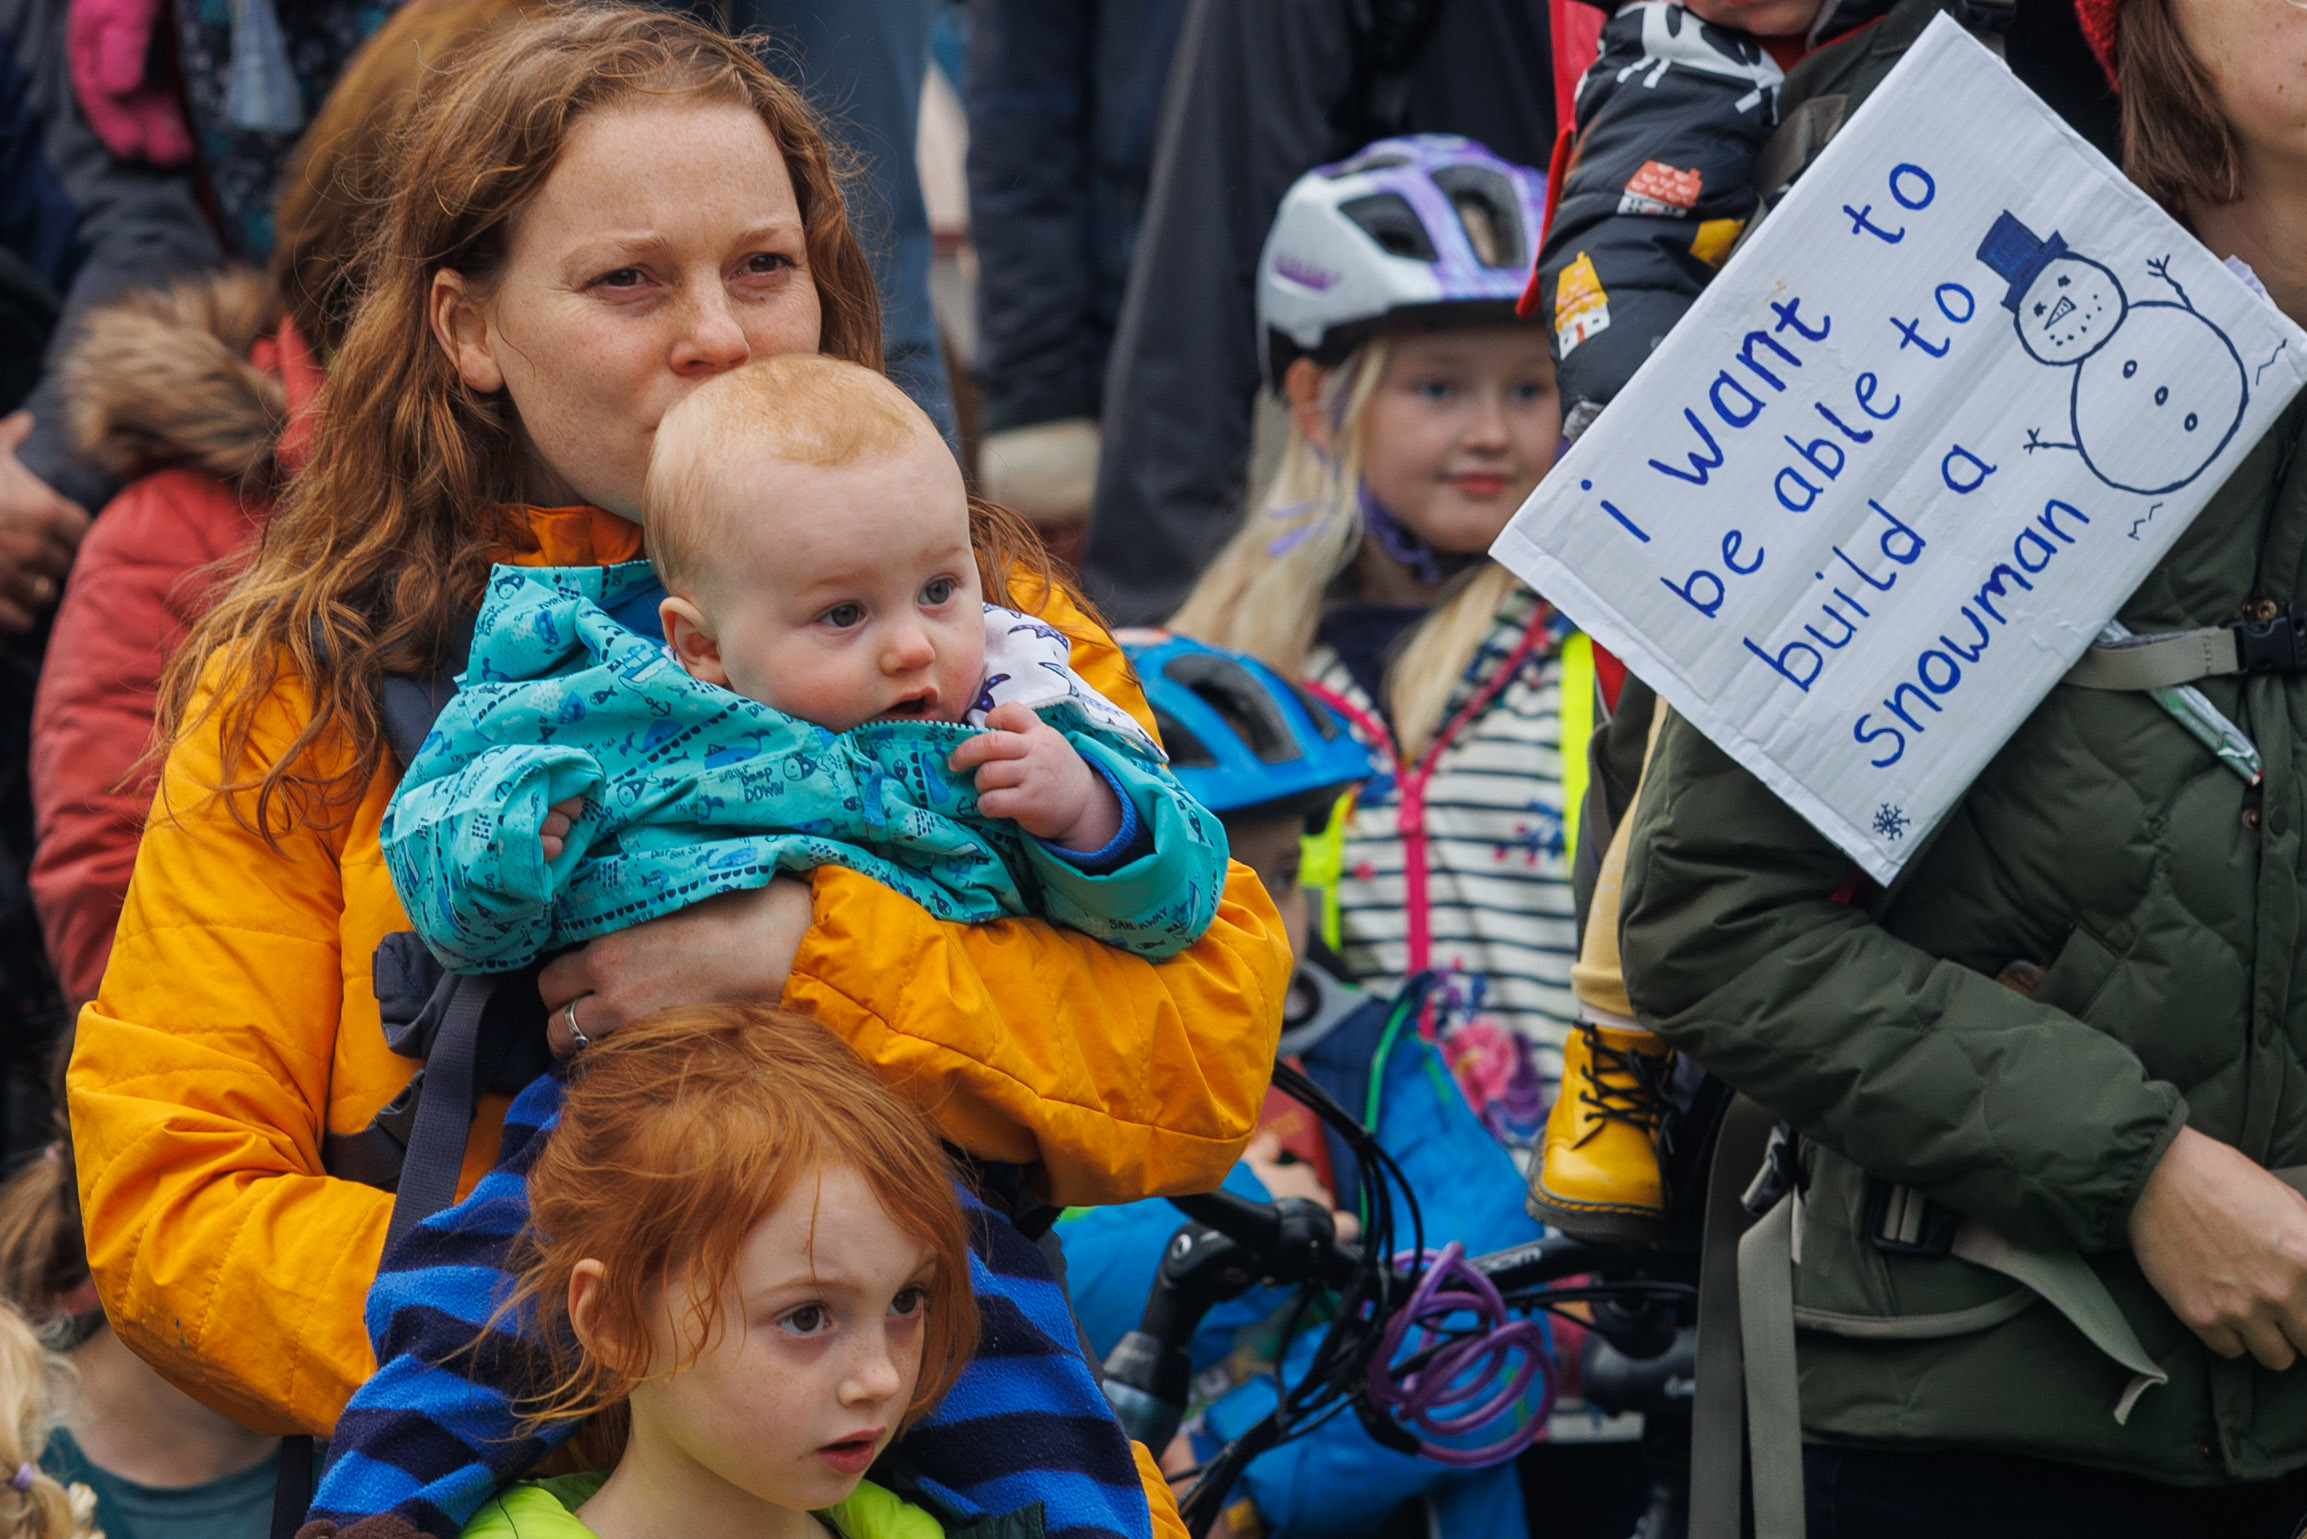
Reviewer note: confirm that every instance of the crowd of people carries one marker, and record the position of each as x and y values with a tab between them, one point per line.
598	939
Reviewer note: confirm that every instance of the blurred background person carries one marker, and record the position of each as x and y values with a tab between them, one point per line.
1064	100
197	396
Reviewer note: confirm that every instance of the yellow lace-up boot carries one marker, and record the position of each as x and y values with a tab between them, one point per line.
1597	1174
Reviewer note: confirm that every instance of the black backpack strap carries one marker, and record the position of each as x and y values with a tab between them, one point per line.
423	1177
444	1110
291	1486
410	704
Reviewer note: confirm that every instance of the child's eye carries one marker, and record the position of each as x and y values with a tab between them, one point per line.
808	1320
909	1302
939	591
842	616
1528	391
1437	390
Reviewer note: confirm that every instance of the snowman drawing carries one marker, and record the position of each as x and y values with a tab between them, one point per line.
2158	389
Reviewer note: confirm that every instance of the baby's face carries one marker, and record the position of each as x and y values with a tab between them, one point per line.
843	594
1762	18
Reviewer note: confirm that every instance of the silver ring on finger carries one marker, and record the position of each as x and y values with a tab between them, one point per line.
576	1033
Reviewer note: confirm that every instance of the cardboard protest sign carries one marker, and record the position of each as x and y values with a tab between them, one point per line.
1910	451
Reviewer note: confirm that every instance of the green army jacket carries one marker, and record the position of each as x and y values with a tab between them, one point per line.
2162	898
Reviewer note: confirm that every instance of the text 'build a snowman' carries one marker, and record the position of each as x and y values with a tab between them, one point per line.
1910	451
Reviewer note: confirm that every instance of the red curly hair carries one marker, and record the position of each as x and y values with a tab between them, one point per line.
679	1135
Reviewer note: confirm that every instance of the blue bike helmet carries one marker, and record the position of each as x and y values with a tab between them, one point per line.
1243	739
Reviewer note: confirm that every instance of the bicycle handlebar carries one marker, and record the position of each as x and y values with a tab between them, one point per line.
1234	1244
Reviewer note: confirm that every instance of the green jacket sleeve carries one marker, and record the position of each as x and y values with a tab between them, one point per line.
1917	1069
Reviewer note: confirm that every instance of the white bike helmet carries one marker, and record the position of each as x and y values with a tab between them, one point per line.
1425	222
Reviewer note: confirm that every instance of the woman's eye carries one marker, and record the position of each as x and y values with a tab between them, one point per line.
808	1320
909	1302
842	616
620	278
762	263
939	591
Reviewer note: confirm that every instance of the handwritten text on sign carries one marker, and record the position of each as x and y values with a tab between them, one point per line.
1910	451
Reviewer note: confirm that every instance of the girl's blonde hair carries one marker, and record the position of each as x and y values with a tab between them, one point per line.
1264	593
33	1380
679	1135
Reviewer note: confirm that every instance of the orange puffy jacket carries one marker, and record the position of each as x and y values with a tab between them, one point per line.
237	1024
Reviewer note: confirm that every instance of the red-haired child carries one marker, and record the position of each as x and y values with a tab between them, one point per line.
747	1258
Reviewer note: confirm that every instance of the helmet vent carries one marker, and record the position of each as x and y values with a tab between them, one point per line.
1229	690
1489	212
1390	221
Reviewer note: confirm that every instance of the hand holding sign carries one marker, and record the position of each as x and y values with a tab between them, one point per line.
1909	453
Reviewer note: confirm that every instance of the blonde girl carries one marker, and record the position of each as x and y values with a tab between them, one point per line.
1421	413
33	1503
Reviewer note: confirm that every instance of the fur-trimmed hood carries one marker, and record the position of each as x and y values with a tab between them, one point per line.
203	375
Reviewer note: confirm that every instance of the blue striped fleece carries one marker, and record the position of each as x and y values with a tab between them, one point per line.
433	1434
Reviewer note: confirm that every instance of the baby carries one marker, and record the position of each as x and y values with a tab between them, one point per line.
831	688
813	535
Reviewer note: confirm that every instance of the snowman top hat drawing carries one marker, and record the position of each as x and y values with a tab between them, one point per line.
2158	389
2067	306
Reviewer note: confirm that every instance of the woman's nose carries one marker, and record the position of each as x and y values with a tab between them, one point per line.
712	340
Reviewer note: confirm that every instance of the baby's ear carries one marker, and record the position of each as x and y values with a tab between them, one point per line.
691	641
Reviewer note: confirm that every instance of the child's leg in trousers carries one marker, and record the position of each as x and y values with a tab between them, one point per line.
1597	1175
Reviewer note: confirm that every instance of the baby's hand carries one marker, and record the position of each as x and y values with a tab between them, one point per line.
554	835
1027	772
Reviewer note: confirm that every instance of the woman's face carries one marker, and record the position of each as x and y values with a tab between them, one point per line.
2256	54
665	248
1460	428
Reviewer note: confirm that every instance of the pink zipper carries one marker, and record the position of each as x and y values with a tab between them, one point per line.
1410	810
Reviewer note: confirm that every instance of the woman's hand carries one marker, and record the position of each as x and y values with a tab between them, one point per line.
736	948
2225	1244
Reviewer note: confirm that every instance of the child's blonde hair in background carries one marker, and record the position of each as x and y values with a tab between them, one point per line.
806	408
33	1380
1264	593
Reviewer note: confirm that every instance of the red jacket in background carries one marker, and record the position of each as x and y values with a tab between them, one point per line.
171	379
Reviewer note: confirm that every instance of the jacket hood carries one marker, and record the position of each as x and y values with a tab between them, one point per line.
203	374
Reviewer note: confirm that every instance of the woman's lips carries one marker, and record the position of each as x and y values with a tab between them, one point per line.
851	1455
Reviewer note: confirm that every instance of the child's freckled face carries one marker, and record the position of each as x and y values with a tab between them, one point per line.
816	1359
845	593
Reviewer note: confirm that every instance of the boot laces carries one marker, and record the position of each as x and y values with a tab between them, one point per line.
1620	1086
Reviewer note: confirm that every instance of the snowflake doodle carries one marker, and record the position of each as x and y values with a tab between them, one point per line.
1890	822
